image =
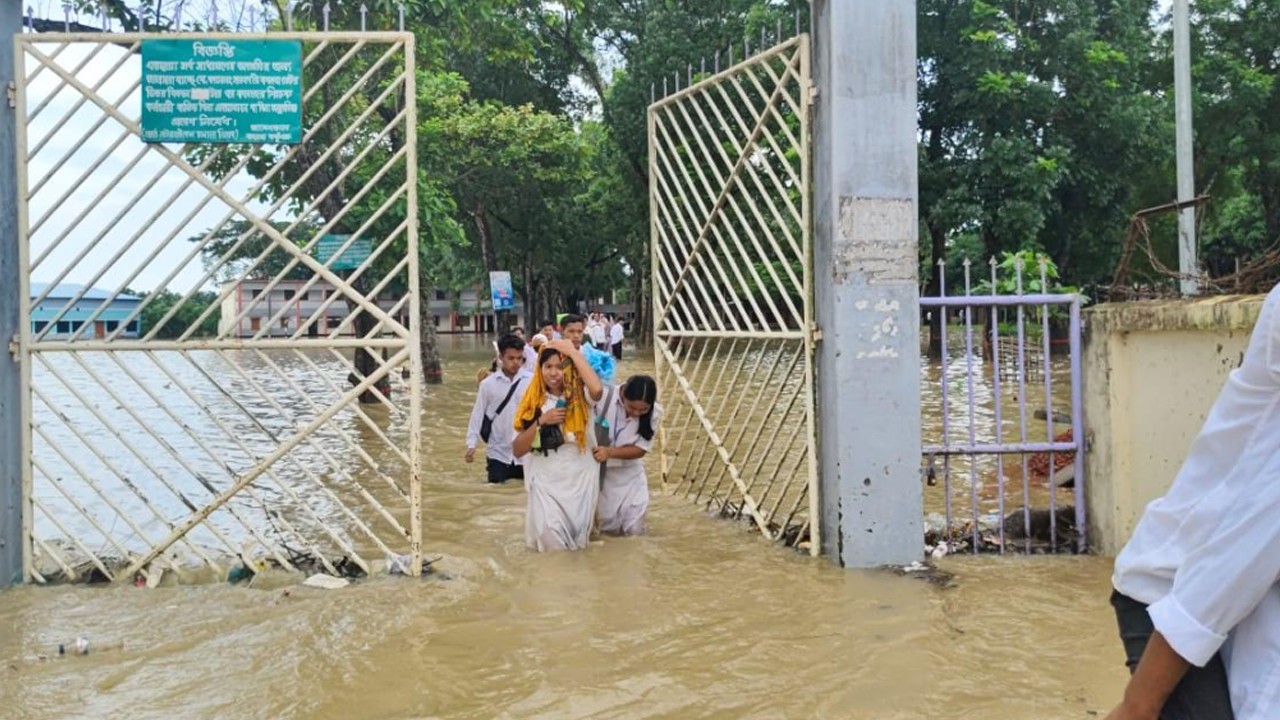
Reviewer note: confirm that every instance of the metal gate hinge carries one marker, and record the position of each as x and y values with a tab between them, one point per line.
815	332
13	347
813	93
12	92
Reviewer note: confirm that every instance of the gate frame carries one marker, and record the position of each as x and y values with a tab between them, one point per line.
808	334
407	340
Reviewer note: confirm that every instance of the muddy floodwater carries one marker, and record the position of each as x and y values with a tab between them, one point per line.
700	619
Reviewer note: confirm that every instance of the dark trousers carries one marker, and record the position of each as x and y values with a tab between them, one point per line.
617	351
500	472
1201	695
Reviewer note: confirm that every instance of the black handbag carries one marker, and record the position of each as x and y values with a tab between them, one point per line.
552	437
486	425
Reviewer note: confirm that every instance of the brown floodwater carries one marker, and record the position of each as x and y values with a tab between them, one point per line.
699	619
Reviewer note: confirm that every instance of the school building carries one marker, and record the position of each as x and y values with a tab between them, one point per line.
466	312
86	305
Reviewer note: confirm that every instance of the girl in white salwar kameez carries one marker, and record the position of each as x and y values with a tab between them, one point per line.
630	418
562	476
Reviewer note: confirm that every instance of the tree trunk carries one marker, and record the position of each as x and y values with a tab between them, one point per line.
643	328
531	309
432	370
486	239
367	362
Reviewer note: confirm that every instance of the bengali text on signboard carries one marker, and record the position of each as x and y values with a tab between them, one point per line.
351	258
222	91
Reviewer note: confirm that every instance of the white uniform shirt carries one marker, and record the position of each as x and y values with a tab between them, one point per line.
598	334
1206	556
492	391
615	334
530	360
624	431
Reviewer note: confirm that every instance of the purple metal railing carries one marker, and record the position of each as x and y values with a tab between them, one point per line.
994	445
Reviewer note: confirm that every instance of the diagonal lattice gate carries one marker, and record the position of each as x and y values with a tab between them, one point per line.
213	334
732	287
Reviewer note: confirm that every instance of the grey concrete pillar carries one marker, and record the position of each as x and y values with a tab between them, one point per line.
866	292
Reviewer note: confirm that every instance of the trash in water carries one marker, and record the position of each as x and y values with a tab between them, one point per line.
240	573
400	564
246	570
326	582
82	646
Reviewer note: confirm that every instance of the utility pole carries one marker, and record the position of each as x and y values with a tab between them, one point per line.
866	291
12	456
1188	266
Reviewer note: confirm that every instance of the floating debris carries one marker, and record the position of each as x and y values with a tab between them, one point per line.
923	571
82	647
326	582
400	564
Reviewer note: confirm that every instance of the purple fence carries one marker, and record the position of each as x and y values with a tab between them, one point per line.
1009	367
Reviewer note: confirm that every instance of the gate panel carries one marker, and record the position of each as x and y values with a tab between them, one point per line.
238	409
732	288
1003	419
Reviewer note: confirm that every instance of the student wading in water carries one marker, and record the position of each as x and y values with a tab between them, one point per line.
628	419
555	439
492	416
1196	593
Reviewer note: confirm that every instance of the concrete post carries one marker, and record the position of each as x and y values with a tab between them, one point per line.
1188	265
11	452
866	289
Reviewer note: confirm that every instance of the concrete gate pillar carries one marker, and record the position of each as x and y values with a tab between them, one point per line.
866	291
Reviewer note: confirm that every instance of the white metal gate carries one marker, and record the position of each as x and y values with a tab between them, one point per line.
729	179
273	439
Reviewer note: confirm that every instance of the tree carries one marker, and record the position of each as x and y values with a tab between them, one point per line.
1237	114
184	318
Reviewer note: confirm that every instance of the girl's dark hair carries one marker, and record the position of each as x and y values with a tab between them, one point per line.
645	389
547	354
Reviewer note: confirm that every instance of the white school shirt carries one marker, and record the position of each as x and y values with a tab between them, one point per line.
624	431
1206	556
492	391
615	334
598	333
530	360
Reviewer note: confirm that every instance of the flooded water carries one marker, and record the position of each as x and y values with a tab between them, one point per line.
700	619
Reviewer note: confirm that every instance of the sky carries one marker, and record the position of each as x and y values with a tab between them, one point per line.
104	210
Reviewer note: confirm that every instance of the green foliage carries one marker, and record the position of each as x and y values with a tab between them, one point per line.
186	316
1043	127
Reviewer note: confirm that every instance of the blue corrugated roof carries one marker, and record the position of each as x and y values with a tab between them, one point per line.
66	291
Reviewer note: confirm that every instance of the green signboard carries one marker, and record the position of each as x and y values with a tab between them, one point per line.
352	258
222	91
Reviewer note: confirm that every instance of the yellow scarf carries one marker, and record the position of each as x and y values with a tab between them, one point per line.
576	414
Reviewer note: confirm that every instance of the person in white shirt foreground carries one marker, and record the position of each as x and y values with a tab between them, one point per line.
494	412
1196	594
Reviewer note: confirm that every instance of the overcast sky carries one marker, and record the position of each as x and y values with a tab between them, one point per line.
93	192
82	183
